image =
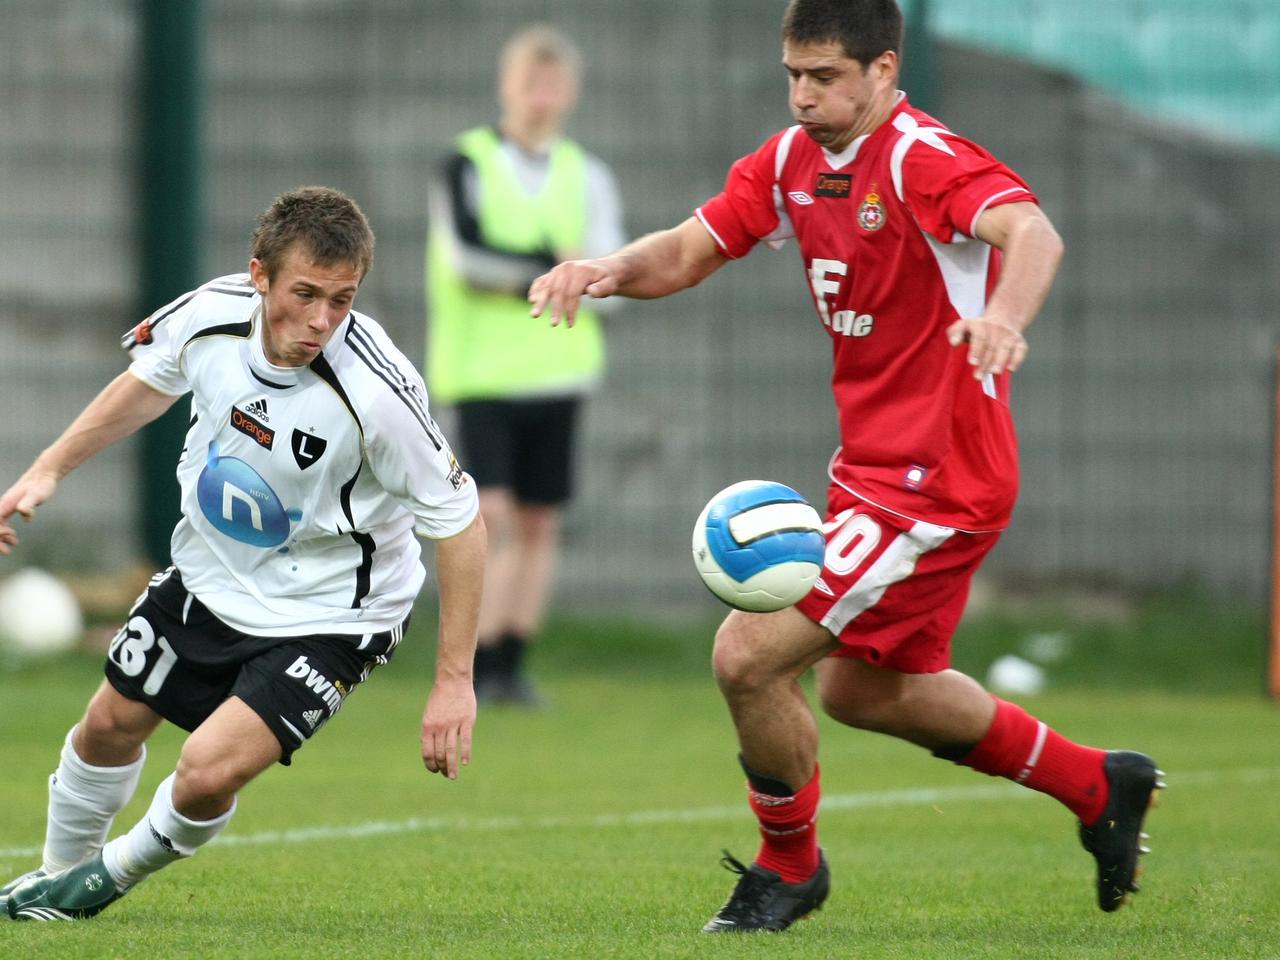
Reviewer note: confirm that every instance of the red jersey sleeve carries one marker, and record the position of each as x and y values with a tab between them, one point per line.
947	183
745	211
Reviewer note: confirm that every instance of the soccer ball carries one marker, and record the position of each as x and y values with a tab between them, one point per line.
758	545
39	615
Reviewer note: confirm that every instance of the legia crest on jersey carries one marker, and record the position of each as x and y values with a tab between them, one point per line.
239	503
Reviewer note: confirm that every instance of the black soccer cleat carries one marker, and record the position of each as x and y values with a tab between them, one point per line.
761	901
1116	839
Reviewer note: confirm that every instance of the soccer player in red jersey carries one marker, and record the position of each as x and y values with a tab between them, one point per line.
927	259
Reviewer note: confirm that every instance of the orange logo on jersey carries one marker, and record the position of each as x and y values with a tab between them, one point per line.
837	185
141	333
261	434
871	214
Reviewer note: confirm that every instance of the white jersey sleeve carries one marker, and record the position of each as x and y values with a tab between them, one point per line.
414	464
155	346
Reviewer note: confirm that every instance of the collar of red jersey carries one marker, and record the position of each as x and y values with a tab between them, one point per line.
850	153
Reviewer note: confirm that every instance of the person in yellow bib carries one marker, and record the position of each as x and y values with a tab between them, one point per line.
508	203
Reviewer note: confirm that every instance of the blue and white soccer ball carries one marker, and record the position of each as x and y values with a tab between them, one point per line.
758	545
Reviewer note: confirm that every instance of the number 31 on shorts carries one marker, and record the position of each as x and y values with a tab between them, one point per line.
131	651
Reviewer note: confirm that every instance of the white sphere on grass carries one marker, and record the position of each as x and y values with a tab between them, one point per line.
39	615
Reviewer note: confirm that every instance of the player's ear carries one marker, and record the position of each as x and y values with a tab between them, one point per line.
258	273
885	67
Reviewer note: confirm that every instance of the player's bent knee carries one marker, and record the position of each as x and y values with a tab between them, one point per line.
204	783
113	728
734	660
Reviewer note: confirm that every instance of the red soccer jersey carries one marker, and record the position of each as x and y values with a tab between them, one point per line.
886	234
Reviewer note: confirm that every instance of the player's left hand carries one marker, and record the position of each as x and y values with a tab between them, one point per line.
995	344
447	723
558	292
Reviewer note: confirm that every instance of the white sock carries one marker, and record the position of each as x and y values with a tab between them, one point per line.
83	800
158	839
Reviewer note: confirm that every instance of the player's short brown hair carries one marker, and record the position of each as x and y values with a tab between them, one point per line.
327	223
864	28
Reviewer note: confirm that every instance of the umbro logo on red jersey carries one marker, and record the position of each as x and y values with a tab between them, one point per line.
800	197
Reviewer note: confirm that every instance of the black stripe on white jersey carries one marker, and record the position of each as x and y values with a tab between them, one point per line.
165	312
157	318
362	539
367	546
240	330
322	369
368	342
267	383
239	287
408	396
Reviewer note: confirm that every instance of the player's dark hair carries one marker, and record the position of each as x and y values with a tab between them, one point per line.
327	223
864	28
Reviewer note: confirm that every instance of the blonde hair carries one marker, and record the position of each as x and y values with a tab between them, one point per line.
542	44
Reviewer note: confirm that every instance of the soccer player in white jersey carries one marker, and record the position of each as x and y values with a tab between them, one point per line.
926	258
310	467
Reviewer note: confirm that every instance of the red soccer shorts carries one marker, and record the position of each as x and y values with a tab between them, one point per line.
892	590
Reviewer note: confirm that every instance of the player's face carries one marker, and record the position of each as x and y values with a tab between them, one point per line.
536	93
833	97
302	305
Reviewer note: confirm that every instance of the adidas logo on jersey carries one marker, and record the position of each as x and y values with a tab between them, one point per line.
258	409
312	717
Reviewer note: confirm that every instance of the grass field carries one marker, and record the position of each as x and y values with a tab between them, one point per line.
592	829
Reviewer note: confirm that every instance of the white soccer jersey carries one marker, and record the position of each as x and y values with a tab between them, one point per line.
302	487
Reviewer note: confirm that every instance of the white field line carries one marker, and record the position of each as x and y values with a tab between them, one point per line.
913	797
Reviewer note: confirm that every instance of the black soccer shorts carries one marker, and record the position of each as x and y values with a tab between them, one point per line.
179	659
525	445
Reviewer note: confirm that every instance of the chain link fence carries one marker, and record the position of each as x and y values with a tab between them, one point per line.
1144	410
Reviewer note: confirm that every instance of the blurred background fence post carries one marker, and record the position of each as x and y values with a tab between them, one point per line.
171	220
919	75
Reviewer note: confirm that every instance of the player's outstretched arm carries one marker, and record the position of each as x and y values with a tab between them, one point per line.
1032	251
124	405
450	714
653	266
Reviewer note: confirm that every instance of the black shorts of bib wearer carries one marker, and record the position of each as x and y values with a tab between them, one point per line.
183	662
527	446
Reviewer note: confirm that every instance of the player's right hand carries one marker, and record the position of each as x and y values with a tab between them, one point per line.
447	725
32	489
558	291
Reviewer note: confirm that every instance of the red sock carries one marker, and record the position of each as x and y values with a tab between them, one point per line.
1025	750
788	831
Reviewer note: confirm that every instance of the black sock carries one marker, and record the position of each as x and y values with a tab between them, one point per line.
955	752
763	784
486	663
511	649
